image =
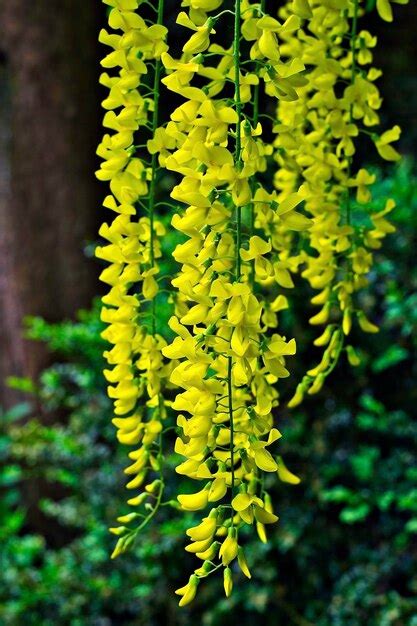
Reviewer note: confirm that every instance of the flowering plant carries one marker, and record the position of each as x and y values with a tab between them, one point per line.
257	200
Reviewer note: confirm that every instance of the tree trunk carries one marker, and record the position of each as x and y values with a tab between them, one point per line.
49	201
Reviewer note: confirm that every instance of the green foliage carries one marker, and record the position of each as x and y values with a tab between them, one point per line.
344	551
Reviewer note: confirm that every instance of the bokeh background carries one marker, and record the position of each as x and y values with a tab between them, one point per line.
344	552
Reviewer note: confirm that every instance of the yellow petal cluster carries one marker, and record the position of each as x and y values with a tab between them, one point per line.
136	370
316	141
227	363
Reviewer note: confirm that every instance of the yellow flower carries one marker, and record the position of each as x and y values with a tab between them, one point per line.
189	590
229	548
383	144
284	473
194	501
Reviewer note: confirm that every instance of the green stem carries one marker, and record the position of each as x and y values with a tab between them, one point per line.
238	166
255	121
231	418
335	361
154	161
256	88
153	512
353	37
216	17
238	145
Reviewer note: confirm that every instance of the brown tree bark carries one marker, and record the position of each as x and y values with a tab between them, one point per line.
49	126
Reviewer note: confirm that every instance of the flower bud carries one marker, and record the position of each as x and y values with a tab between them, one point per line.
227	581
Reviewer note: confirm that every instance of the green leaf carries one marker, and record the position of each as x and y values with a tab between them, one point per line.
352	515
385	500
337	494
21	384
411	525
369	403
394	355
363	462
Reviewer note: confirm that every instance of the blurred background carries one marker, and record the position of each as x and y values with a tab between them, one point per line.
344	552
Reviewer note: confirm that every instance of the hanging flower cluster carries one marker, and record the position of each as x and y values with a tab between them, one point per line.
256	200
228	362
137	372
317	136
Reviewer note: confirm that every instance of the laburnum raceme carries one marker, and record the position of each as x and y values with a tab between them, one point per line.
316	141
278	76
137	372
257	198
229	358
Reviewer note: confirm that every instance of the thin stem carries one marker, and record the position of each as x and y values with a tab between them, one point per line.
215	568
231	418
238	242
149	4
353	37
255	121
256	88
154	162
336	357
153	512
238	145
238	164
216	17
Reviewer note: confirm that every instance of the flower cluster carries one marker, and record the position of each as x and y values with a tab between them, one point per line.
229	361
137	371
249	213
316	141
